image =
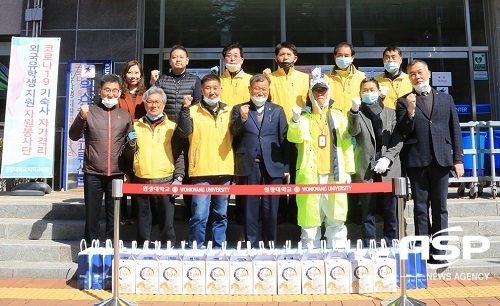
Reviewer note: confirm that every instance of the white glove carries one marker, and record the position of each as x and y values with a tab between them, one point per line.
383	91
382	165
296	110
346	179
356	102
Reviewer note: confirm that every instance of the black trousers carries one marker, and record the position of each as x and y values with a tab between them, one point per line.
94	186
260	207
124	213
386	203
162	207
429	187
288	204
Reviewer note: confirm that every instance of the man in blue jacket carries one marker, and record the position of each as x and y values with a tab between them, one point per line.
261	156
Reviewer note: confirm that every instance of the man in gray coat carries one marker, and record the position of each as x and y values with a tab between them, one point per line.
376	157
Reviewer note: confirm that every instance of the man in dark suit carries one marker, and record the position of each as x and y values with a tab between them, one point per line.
432	148
261	156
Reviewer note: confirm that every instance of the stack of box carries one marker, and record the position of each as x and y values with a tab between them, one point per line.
289	270
384	269
217	271
264	271
241	271
170	270
254	271
193	267
146	270
313	270
362	268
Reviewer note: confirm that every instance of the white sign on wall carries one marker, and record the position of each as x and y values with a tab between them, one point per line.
441	79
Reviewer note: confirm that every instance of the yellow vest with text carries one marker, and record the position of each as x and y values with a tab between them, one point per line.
289	90
343	89
235	90
154	158
398	87
210	144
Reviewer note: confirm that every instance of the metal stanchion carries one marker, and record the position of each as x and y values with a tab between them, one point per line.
115	300
399	190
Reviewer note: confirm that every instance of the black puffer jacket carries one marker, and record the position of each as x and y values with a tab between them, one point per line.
176	87
105	131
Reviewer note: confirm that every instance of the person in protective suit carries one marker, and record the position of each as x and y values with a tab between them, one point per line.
325	156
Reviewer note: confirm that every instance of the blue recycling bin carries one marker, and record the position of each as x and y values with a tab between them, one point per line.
496	145
480	139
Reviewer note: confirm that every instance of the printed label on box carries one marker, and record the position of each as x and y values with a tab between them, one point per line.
170	276
146	275
217	277
193	277
264	277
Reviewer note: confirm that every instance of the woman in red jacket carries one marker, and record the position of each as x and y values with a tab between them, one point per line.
130	100
132	90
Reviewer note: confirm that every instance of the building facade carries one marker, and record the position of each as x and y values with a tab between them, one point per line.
449	35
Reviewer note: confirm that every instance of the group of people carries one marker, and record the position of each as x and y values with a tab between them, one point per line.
336	128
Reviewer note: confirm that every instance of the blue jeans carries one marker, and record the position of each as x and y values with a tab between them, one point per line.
201	209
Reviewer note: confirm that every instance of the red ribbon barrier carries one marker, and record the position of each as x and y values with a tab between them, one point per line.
155	189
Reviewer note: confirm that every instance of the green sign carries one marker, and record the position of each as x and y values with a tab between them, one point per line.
479	61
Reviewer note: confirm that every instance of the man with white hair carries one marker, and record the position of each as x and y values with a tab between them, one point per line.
157	159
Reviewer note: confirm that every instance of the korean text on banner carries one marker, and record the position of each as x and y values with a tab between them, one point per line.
31	108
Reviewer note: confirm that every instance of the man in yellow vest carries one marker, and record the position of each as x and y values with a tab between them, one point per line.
344	79
234	90
394	83
157	158
211	158
234	81
289	88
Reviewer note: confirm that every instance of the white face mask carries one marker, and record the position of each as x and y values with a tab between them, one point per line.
391	67
424	86
109	103
258	101
343	62
211	102
369	98
233	67
154	118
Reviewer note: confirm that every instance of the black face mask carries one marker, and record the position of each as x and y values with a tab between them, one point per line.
286	65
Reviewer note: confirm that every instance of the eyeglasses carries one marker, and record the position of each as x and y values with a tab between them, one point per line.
109	90
154	103
260	90
231	56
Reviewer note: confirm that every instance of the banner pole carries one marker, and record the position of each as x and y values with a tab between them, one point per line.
399	189
115	300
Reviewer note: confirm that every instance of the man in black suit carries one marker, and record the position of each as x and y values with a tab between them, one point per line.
261	156
432	148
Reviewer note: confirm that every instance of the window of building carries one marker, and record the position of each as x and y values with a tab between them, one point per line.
477	23
315	23
408	23
217	23
316	27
